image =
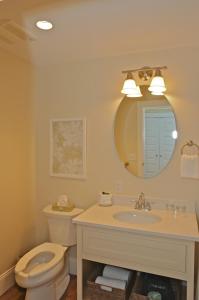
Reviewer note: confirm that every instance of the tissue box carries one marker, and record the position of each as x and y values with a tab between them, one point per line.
94	291
105	199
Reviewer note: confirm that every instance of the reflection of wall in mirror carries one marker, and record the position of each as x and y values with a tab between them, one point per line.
119	136
130	138
126	135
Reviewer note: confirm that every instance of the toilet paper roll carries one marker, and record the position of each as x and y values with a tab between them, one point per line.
116	273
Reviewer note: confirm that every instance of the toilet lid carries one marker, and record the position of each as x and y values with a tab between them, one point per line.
56	251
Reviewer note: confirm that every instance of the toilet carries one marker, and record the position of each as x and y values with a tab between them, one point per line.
44	271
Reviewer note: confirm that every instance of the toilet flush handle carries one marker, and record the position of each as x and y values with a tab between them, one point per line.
65	248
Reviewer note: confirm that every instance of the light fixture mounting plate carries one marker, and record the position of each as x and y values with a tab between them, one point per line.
145	74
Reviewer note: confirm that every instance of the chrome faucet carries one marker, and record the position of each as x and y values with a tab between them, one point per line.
141	203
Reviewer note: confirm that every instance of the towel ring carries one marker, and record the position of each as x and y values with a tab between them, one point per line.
190	144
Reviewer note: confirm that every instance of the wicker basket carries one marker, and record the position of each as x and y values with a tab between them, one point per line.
95	292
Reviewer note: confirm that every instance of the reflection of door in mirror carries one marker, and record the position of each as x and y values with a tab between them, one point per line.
158	142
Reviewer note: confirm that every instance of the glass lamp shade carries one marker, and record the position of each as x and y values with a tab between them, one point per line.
135	93
128	86
157	93
157	86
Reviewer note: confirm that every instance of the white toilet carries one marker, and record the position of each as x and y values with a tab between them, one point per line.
43	271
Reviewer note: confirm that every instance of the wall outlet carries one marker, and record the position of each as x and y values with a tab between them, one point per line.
118	186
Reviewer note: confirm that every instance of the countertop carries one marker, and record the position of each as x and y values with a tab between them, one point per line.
178	226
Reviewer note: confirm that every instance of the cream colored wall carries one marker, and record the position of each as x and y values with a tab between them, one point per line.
16	213
91	89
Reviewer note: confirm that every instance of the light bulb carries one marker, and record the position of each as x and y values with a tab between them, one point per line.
174	134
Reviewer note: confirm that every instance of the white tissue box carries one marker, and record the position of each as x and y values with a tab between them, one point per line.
105	199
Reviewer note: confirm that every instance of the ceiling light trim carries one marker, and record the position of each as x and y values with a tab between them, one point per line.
44	25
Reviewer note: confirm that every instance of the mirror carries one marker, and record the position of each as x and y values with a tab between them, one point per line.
145	133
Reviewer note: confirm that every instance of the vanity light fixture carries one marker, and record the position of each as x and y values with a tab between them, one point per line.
157	86
44	25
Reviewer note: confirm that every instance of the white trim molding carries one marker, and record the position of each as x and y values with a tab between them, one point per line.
7	280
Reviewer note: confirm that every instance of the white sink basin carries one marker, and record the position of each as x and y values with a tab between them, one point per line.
136	217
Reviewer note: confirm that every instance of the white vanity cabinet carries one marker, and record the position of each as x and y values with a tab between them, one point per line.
156	255
164	248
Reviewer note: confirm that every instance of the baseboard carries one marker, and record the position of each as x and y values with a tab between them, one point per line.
7	280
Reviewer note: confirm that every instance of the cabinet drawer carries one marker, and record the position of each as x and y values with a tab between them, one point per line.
134	250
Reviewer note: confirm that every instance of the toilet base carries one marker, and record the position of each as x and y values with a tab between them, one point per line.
52	290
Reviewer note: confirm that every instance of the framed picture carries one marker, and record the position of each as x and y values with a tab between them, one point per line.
68	148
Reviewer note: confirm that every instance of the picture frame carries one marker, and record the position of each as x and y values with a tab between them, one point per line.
68	148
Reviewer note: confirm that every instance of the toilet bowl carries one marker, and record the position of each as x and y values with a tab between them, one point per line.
40	265
44	271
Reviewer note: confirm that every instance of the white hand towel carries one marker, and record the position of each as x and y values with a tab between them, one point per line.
190	166
116	273
114	283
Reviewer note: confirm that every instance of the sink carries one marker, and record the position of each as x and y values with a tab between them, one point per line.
136	217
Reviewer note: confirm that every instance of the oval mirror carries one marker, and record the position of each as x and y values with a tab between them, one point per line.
145	133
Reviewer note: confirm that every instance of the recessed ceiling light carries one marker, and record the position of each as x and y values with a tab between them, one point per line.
44	25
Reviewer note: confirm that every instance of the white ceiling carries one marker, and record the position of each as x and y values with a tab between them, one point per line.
87	29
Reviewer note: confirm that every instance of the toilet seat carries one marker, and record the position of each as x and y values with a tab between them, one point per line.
40	263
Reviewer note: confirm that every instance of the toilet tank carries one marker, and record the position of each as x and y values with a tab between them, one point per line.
61	229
